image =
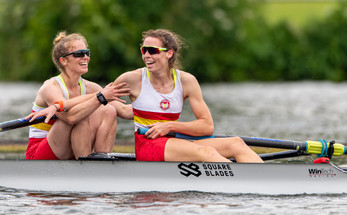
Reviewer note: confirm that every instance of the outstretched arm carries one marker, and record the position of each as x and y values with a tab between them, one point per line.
124	111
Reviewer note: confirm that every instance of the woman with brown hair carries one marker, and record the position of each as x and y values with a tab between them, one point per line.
157	92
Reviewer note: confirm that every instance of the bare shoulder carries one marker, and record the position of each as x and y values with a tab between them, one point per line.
131	77
91	87
190	84
49	90
48	85
187	78
133	80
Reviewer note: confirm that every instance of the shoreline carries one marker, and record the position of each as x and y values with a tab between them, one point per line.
10	142
20	146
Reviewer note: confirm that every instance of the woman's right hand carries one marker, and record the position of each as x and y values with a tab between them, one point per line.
113	92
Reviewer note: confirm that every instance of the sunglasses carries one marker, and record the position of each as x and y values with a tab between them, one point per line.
152	49
79	53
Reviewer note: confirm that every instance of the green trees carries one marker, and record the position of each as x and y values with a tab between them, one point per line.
227	40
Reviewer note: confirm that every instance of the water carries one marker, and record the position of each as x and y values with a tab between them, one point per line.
294	111
21	202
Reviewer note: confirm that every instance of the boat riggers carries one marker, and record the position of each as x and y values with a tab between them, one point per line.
321	148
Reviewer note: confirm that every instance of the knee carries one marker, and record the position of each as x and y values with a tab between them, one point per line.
205	152
109	112
237	143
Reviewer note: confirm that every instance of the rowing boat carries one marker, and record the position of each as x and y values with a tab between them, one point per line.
116	174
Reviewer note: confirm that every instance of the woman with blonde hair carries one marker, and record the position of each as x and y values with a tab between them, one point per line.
86	122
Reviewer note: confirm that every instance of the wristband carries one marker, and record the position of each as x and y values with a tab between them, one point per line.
101	98
56	108
61	106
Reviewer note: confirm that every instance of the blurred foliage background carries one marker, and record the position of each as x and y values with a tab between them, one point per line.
226	40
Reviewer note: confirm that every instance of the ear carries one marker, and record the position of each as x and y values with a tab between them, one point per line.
63	61
169	53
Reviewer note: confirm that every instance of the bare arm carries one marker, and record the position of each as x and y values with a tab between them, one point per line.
124	111
132	78
111	93
203	125
78	107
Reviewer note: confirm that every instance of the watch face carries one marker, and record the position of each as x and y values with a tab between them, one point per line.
101	98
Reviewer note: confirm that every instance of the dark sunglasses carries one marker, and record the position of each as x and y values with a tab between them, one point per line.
152	49
79	53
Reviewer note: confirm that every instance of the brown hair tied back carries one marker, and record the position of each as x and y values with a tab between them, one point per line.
170	40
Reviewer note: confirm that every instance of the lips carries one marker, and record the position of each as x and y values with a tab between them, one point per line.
149	63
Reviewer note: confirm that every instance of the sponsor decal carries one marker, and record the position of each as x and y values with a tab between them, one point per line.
218	170
321	173
190	169
165	104
208	169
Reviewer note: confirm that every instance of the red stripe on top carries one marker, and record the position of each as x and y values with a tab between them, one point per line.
155	115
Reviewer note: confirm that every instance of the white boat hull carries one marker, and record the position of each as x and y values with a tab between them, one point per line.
134	176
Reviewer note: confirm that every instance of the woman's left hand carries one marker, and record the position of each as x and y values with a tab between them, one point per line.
158	129
47	112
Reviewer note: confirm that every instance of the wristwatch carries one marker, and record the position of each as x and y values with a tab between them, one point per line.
101	98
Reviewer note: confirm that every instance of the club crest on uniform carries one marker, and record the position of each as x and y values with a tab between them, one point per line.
165	104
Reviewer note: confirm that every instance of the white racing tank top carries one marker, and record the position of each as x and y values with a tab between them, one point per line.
40	130
151	106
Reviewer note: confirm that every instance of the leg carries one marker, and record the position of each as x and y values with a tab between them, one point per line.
59	140
106	131
95	133
183	150
233	147
81	138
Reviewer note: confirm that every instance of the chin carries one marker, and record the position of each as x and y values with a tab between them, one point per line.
150	67
84	71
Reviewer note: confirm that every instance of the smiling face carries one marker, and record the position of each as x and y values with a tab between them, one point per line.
76	64
156	62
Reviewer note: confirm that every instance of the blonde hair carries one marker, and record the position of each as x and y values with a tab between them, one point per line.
62	45
170	40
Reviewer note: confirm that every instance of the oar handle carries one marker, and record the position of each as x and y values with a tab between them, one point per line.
274	143
22	122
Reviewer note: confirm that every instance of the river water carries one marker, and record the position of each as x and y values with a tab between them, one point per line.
294	111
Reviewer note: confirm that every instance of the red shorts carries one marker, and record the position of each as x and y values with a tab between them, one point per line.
39	149
150	149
